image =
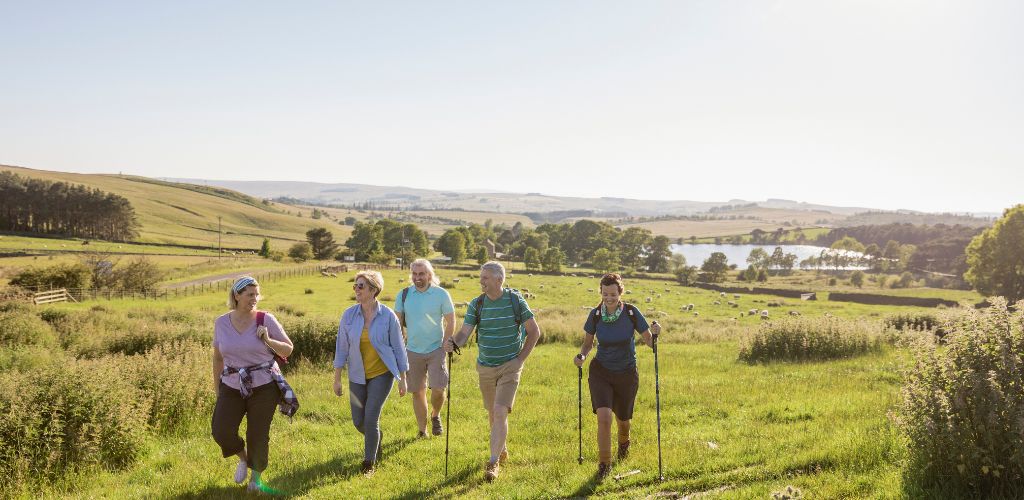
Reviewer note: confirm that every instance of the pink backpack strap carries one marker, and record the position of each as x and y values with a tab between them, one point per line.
260	315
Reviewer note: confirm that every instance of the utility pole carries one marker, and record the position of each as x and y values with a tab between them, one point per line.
220	249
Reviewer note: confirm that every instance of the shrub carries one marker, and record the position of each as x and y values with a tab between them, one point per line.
174	378
67	417
301	251
962	405
59	276
18	327
912	321
810	339
314	338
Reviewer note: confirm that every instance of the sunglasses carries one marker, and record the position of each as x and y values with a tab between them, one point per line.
360	286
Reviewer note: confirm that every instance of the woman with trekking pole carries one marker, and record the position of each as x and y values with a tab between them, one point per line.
613	377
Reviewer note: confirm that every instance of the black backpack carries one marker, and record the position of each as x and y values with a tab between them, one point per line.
627	308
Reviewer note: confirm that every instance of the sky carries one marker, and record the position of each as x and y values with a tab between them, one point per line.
878	103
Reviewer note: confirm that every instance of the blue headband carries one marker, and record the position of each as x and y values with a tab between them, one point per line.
243	282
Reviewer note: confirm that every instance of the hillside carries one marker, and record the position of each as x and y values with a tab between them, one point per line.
187	215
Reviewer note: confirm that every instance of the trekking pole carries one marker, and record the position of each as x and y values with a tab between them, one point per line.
448	416
579	405
657	402
448	412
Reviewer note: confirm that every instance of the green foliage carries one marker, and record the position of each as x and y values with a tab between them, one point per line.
532	259
321	242
912	321
857	278
74	275
23	328
714	268
995	258
265	248
552	261
809	339
481	255
313	338
139	274
962	405
658	254
67	417
301	252
452	244
605	261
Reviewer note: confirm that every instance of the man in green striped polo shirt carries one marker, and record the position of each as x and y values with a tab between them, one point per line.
506	334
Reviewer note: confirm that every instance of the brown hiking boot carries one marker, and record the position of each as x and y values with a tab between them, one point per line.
491	471
603	470
623	450
367	469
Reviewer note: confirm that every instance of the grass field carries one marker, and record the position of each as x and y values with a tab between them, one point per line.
729	429
176	215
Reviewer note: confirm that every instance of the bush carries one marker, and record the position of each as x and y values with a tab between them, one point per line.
19	328
962	405
59	276
67	417
174	378
139	274
314	338
810	339
912	321
301	252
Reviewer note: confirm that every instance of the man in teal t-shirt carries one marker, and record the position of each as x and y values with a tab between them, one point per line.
428	315
504	346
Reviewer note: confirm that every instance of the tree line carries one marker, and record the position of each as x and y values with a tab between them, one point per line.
940	247
46	207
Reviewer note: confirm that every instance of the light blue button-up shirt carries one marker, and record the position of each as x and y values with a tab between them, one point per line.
385	336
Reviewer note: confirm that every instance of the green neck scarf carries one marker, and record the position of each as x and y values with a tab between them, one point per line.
610	318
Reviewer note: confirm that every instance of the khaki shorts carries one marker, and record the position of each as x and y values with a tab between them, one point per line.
427	366
498	384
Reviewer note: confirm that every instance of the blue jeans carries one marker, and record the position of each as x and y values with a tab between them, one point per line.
367	401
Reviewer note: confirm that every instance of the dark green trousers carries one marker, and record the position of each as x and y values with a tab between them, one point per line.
227	417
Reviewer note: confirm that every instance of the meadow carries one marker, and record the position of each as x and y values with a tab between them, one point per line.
730	429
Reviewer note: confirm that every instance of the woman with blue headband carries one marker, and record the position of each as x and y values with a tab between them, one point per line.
248	380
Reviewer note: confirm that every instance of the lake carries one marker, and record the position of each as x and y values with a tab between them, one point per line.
737	254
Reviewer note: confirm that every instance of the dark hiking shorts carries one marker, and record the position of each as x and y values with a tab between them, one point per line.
615	390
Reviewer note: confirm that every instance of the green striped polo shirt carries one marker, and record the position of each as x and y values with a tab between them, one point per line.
499	339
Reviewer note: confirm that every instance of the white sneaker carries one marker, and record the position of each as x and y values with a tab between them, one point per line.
241	472
254	486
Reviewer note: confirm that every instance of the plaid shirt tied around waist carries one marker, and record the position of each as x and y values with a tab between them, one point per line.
289	403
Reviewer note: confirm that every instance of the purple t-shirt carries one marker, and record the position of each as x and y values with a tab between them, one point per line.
244	349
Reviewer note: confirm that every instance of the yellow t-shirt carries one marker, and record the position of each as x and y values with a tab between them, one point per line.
372	364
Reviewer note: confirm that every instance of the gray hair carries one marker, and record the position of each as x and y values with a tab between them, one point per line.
495	269
372	278
434	280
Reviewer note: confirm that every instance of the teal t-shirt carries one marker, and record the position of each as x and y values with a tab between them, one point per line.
499	339
423	314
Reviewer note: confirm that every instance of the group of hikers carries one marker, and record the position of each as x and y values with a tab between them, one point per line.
379	346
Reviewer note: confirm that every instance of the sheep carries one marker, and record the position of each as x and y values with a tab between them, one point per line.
689	307
456	280
752	312
591	290
717	303
648	300
695	313
735	295
764	314
629	292
524	290
323	273
722	294
667	290
794	313
542	286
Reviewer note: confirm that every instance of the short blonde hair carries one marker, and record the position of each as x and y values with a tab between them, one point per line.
233	300
373	278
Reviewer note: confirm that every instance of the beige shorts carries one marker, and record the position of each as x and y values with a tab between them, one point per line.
427	366
498	384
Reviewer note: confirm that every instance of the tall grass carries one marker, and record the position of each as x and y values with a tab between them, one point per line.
810	339
963	405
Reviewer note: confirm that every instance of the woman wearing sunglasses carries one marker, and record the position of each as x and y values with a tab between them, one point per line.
370	343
